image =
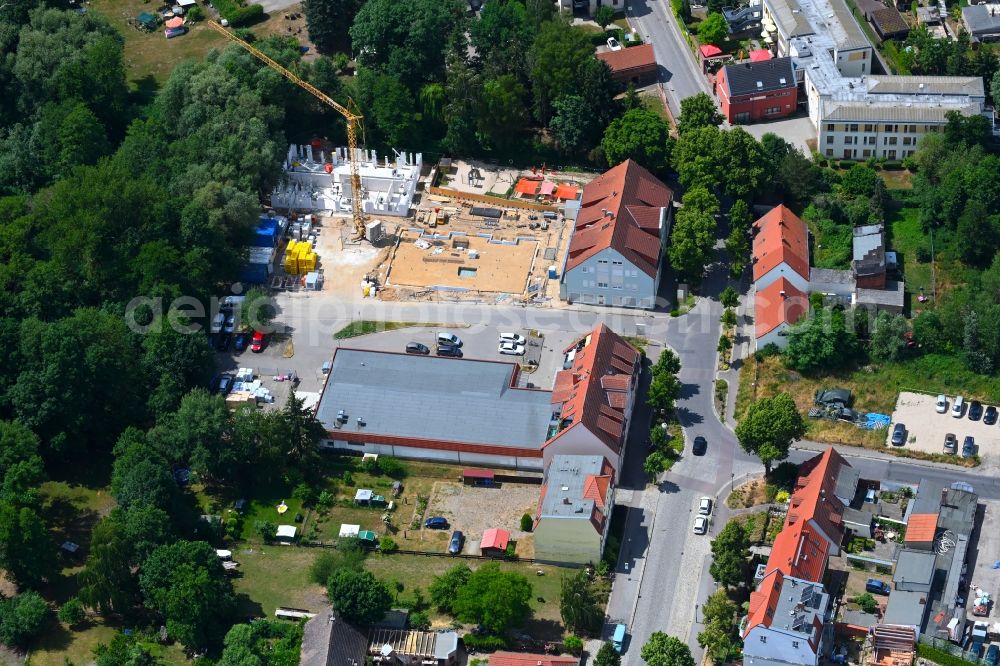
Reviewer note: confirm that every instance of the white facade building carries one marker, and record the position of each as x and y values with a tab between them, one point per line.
856	114
316	181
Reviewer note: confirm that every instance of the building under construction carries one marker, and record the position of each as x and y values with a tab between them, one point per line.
400	647
319	180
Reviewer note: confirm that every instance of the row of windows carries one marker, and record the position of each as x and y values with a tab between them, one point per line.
631	286
871	140
870	127
850	153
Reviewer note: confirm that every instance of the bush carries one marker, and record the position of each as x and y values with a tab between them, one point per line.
484	643
341	61
725	344
728	317
420	621
306	493
782	497
267	530
847	164
729	298
573	644
867	602
324	501
387	545
767	351
392	467
72	612
892	165
939	657
770	492
526	522
603	568
237	15
196	14
509	553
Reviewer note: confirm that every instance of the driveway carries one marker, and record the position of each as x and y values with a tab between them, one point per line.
926	428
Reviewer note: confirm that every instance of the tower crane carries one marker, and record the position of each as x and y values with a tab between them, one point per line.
353	121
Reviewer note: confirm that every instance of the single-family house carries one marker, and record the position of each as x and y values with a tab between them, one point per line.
635	64
593	397
787	622
868	262
527	659
574	509
781	249
621	228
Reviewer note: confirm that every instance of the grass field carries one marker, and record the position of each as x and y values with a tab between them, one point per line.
272	576
365	326
874	391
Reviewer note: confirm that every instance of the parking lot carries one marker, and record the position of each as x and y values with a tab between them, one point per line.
478	342
926	428
985	555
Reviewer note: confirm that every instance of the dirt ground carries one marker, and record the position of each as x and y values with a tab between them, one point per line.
926	428
498	268
474	510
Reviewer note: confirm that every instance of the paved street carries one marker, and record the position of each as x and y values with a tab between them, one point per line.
680	75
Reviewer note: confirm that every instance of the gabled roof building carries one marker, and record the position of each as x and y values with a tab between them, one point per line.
620	231
593	397
789	619
781	249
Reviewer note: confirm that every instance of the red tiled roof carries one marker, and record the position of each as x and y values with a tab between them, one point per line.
921	528
632	198
764	601
495	538
800	552
815	497
781	237
596	488
593	391
626	60
772	308
524	659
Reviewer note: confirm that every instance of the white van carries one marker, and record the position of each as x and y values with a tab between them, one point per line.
446	338
217	322
957	406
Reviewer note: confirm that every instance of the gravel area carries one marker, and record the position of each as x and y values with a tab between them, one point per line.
474	510
926	428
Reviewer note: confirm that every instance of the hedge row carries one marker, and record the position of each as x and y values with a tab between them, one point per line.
237	15
940	657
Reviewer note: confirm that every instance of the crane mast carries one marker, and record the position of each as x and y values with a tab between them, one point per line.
353	121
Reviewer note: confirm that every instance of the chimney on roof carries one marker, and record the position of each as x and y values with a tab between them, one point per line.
782	292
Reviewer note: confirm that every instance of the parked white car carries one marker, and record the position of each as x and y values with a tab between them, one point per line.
705	506
511	349
942	404
700	525
513	337
614	44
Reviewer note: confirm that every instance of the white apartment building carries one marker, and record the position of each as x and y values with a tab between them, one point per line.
856	114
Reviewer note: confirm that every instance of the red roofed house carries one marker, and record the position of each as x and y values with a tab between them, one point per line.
522	659
776	307
592	398
636	64
574	509
790	619
780	274
618	239
781	249
494	542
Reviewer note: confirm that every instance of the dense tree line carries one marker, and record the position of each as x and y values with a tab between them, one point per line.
429	77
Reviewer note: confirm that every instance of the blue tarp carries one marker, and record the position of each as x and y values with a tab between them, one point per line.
254	274
266	234
876	421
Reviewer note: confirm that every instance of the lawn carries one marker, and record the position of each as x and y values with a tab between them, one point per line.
907	238
365	326
272	576
59	646
415	571
150	57
874	391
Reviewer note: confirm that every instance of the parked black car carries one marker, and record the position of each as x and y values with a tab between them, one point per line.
899	435
223	341
700	446
990	415
975	410
455	545
449	350
436	523
241	342
222	384
968	446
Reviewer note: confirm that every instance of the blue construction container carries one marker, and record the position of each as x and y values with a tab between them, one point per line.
254	274
266	233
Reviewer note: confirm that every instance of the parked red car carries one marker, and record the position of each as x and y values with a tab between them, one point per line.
258	342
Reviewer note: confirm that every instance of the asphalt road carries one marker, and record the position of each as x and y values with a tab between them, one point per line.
679	74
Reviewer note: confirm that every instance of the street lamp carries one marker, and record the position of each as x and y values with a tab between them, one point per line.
696	620
732	481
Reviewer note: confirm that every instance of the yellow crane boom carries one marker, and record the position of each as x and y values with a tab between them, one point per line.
353	121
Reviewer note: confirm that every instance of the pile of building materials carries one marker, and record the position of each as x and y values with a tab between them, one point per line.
247	389
260	254
300	258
